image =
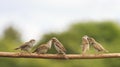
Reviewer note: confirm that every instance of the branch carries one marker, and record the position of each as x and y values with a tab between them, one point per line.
56	56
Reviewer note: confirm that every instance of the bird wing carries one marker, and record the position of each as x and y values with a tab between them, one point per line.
59	45
98	46
24	45
43	46
101	47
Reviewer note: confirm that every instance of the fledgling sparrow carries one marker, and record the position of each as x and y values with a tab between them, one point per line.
97	46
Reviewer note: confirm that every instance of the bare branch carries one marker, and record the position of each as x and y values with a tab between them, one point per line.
56	56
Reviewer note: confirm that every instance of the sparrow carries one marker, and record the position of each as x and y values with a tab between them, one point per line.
26	46
97	46
85	44
43	48
59	47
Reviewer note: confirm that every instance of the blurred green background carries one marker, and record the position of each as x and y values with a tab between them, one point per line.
107	33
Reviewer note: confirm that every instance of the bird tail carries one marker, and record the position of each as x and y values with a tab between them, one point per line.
16	48
106	51
64	54
34	51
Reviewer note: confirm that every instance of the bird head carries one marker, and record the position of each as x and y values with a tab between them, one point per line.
91	40
85	37
32	41
53	39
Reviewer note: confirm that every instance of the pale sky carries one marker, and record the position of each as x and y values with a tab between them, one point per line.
37	17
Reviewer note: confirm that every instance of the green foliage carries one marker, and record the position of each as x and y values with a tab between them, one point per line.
11	34
10	39
107	33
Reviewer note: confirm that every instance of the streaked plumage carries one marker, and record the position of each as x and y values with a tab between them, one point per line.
42	49
97	46
58	46
85	44
26	46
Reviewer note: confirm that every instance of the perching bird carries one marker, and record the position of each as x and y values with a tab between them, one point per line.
59	47
42	49
96	45
26	46
85	44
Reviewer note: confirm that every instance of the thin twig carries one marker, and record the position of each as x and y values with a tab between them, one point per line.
56	56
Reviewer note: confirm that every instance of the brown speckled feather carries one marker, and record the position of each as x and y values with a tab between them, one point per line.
24	45
59	44
41	47
97	45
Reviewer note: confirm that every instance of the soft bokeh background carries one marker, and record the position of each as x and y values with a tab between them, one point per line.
68	20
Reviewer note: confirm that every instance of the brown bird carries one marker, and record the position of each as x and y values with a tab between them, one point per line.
97	46
42	49
59	47
26	46
85	44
